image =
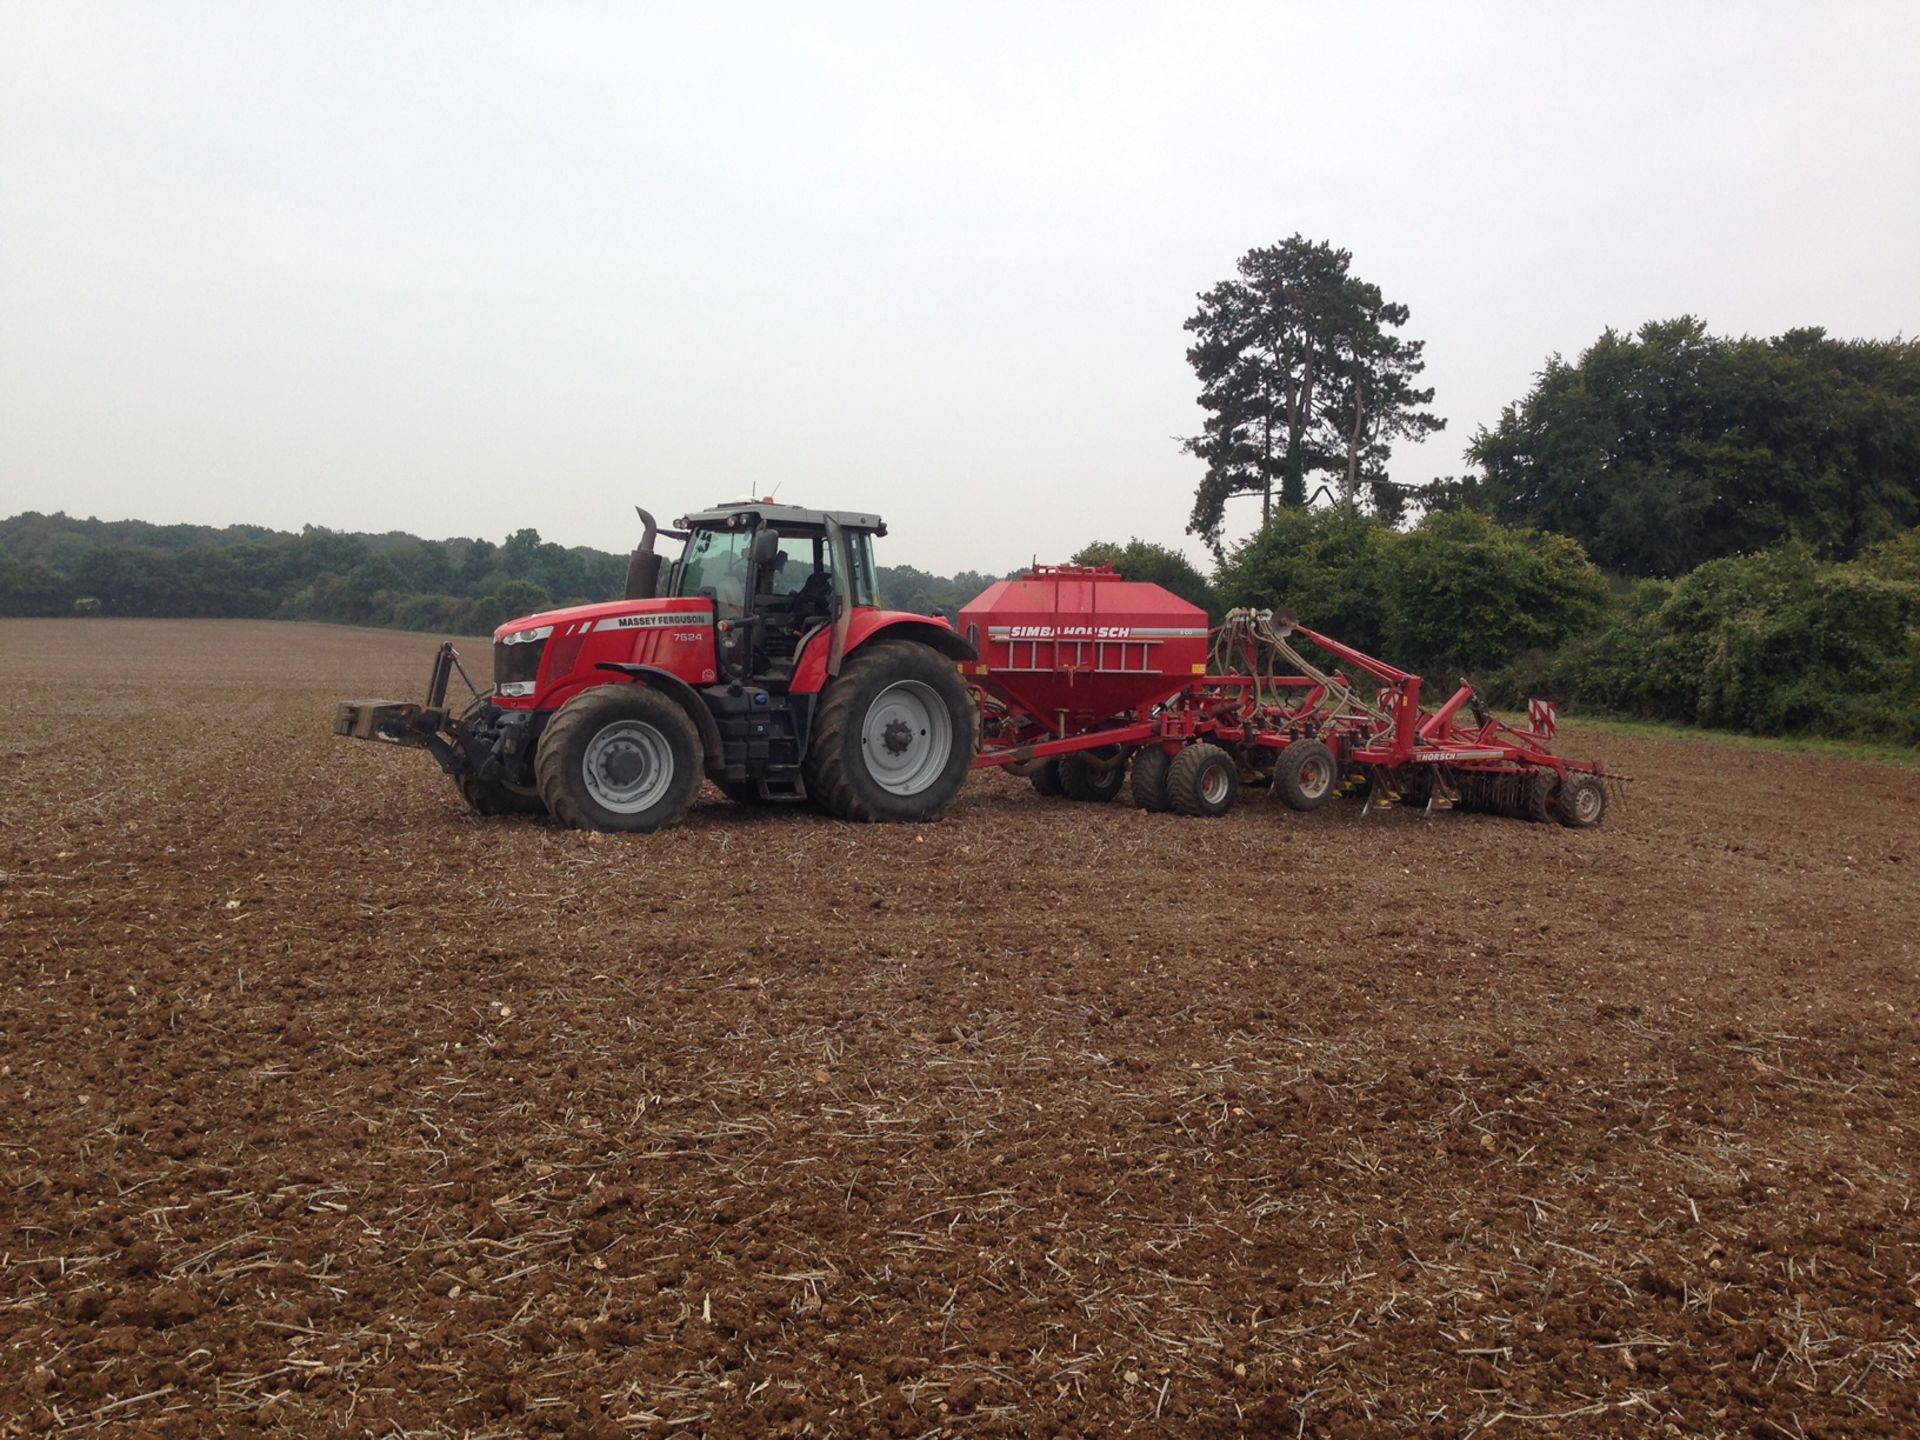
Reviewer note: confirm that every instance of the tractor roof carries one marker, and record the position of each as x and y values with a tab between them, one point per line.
740	513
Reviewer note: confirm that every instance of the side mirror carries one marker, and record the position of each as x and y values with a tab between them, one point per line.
766	545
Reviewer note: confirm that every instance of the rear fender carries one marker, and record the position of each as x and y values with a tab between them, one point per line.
866	626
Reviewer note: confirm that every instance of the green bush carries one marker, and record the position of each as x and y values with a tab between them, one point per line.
1327	566
1457	594
1773	643
1466	595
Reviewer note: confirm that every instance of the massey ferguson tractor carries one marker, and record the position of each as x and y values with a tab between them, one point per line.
763	662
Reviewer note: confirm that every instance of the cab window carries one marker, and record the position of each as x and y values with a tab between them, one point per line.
801	558
716	565
860	559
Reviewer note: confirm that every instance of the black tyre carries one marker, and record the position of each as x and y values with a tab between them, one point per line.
1203	780
1582	801
1046	780
894	737
619	757
490	797
1306	775
1537	792
1081	779
1150	767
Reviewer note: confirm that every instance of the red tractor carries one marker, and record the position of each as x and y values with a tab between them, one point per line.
762	662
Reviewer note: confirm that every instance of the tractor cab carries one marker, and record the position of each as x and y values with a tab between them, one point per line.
777	575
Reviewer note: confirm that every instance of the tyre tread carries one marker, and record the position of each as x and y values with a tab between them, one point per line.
1286	775
1150	768
828	777
1188	770
1080	780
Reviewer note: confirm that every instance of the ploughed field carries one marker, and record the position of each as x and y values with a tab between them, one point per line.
330	1109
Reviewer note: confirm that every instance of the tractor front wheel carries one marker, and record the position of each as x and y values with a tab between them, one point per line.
490	797
894	737
619	757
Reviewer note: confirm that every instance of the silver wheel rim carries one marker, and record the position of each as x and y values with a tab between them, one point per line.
1213	786
907	738
1316	775
628	766
1586	802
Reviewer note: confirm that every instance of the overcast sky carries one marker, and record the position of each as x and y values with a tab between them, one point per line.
462	268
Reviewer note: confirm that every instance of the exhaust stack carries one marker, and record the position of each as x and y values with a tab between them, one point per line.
643	567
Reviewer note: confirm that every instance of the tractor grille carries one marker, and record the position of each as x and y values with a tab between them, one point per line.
517	664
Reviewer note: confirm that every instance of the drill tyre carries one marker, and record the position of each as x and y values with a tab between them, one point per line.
490	797
1582	801
1203	781
1305	775
1536	799
1046	780
1081	779
894	737
1150	767
619	757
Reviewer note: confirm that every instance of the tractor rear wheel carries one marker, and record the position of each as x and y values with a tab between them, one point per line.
1150	766
1582	802
1203	780
619	757
1081	779
490	797
895	735
1305	775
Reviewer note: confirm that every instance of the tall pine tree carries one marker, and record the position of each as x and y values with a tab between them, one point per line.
1300	376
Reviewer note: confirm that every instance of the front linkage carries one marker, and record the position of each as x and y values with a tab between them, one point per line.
483	743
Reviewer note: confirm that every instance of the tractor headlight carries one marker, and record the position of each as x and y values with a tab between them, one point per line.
516	660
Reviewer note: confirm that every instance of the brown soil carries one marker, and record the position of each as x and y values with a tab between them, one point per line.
331	1109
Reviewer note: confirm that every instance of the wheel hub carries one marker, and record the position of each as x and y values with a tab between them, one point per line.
628	767
907	738
623	766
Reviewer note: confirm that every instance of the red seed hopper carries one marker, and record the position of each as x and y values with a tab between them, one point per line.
1072	647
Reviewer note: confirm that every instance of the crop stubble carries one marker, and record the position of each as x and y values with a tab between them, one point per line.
331	1109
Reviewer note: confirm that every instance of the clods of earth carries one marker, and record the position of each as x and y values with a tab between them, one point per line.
332	1109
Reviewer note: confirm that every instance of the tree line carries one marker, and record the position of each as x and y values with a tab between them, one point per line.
57	564
61	565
